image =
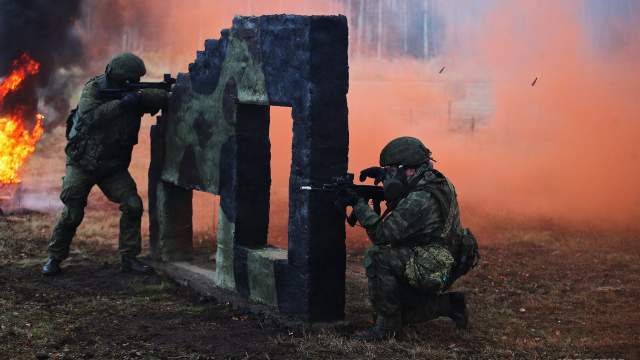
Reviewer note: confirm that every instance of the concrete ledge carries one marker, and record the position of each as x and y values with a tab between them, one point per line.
202	282
262	274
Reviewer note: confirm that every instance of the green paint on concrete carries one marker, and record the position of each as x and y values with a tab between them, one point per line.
262	277
207	109
224	252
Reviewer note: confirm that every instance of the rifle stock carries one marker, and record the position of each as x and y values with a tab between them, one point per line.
165	84
367	192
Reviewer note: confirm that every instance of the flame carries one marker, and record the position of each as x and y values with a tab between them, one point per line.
16	142
22	66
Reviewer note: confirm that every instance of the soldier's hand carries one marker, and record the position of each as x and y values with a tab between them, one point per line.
348	196
153	100
131	100
375	172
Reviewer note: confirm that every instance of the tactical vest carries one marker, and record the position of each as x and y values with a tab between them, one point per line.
99	145
459	241
443	192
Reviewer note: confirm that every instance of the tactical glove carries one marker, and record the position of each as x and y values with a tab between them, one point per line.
153	100
131	100
348	196
375	172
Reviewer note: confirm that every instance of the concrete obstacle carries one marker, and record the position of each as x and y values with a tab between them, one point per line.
214	137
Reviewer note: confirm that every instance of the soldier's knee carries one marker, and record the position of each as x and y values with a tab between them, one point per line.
132	206
370	256
72	216
378	254
376	261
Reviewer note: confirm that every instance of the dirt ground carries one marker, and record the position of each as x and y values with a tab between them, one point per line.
538	293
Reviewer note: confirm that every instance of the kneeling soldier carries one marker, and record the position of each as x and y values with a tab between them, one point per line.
417	243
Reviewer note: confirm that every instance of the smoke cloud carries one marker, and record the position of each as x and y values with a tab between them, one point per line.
45	31
559	150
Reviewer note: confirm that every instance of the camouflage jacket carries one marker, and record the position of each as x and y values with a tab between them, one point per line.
419	219
103	133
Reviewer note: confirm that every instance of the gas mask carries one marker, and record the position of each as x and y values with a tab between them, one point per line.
394	183
393	178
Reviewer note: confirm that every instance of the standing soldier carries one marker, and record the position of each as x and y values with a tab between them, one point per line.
419	246
101	135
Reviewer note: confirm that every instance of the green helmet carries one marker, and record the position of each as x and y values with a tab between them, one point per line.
125	67
406	151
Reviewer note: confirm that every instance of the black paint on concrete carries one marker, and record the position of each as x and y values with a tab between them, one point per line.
173	220
155	168
202	130
253	166
305	65
328	158
188	171
240	270
208	64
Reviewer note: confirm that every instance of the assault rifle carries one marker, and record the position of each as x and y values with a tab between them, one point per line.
367	192
165	84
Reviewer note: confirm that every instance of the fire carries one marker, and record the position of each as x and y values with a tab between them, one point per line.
16	142
22	67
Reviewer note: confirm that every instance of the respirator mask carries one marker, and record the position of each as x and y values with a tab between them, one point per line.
393	179
394	183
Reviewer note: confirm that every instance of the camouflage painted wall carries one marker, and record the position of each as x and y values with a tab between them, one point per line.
215	138
203	108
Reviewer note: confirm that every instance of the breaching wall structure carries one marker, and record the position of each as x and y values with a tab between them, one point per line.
214	137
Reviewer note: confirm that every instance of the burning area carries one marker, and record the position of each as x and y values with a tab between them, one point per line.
38	52
17	143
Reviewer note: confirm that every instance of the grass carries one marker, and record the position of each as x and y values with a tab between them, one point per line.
538	293
542	291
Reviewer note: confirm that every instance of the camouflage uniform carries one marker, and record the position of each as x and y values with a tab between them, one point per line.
99	151
411	262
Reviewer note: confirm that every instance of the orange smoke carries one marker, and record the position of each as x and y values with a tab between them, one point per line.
563	150
16	143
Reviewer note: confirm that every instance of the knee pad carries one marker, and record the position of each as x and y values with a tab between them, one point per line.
132	206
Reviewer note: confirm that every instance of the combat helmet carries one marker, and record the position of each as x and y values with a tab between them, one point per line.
405	151
125	67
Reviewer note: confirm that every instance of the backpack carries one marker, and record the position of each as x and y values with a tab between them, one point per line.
71	119
468	254
462	244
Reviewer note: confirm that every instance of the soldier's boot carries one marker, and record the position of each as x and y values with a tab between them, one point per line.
386	327
51	267
133	265
458	309
451	305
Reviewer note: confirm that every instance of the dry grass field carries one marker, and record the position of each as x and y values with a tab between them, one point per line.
541	291
538	293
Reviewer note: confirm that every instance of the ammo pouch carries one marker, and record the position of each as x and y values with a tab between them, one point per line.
468	255
76	148
462	244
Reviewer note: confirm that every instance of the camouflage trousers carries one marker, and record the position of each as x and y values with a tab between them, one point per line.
407	281
118	187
